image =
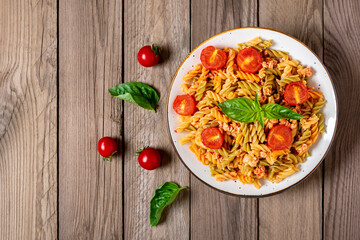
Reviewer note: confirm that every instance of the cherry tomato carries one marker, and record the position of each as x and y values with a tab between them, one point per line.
107	147
249	60
148	55
213	58
149	158
212	138
184	105
296	93
279	137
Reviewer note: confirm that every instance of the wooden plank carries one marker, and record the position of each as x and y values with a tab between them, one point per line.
28	120
296	213
167	24
215	215
341	55
90	62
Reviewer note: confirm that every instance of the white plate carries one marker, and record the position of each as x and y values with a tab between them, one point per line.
320	80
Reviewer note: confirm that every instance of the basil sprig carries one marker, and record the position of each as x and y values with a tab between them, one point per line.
136	92
164	195
246	110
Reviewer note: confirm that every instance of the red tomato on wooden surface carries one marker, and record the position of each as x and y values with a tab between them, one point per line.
212	138
249	60
148	56
279	137
296	93
107	147
184	105
213	58
149	158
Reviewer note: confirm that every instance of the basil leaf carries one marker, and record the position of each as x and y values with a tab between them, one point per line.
256	103
136	92
239	109
260	119
164	195
276	111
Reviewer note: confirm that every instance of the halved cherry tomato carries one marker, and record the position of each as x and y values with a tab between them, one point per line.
279	137
212	138
184	105
213	58
249	60
296	93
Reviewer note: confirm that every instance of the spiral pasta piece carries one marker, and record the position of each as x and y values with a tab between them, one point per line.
295	158
229	159
249	85
321	123
182	126
222	151
315	95
217	84
245	132
268	85
187	138
254	41
283	174
306	123
204	120
200	90
260	132
253	134
288	79
276	53
317	106
303	138
247	76
192	73
263	45
314	133
226	176
291	63
230	64
246	179
219	116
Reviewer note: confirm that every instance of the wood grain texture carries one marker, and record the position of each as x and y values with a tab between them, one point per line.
28	120
341	56
165	23
90	62
296	213
215	215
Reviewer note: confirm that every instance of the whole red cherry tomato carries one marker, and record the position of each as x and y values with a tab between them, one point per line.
107	147
149	158
148	55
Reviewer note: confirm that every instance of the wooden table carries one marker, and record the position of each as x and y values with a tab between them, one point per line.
57	60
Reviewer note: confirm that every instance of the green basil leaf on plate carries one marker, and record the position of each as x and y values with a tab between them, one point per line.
239	109
164	195
136	92
276	111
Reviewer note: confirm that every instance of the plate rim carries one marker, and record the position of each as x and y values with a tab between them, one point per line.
294	184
